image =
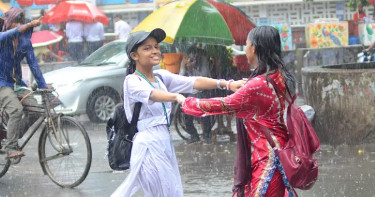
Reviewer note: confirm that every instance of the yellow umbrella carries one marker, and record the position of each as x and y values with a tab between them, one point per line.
166	18
203	21
189	20
3	8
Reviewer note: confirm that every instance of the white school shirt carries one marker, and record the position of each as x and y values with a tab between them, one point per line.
94	32
122	29
74	31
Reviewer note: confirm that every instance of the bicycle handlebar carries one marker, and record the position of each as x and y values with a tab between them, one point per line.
44	90
34	88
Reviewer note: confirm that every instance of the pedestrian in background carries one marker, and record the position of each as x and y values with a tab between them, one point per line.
153	163
74	33
358	18
196	63
43	26
94	36
122	28
222	69
256	103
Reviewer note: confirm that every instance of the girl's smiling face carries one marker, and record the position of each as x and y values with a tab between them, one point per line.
147	54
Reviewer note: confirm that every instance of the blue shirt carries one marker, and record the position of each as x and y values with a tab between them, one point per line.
10	61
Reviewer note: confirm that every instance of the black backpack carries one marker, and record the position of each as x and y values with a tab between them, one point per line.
120	134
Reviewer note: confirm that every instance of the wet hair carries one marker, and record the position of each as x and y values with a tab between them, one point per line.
131	64
266	40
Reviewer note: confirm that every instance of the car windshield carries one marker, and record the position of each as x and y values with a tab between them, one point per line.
112	53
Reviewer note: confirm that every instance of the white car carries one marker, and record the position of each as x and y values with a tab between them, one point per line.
95	85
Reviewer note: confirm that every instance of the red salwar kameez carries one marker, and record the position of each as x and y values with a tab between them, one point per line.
256	103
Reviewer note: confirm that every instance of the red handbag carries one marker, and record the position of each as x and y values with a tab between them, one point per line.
296	158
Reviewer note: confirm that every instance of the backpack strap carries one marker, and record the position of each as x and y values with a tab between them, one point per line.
266	132
137	110
289	99
264	129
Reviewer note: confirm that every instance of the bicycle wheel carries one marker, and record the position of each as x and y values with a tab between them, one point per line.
4	164
65	156
179	123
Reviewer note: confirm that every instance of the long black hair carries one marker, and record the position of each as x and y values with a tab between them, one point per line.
266	40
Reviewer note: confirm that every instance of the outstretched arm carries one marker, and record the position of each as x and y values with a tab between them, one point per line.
204	83
12	33
163	96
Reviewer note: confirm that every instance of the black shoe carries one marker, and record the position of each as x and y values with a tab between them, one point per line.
193	139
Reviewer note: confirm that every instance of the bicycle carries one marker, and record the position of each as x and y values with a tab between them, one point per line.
64	146
179	122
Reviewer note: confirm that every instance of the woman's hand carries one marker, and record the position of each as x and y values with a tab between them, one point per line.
235	85
180	99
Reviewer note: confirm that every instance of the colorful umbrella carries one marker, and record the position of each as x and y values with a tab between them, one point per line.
45	38
205	21
3	8
37	2
77	10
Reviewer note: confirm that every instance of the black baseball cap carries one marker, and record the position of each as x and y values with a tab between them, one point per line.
139	36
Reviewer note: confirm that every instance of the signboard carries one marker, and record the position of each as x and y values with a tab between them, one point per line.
285	36
333	34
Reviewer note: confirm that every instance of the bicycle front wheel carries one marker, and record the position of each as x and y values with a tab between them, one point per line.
4	164
65	153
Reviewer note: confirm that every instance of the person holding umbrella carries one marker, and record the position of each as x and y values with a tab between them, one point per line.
74	33
94	36
14	41
122	28
153	163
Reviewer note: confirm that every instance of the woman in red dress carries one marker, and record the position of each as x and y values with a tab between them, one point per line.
257	103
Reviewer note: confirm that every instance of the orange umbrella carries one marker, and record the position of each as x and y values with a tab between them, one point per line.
75	10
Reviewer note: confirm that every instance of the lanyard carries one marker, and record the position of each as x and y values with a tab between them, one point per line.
149	82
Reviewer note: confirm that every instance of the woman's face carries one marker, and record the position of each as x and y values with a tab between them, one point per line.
148	54
251	54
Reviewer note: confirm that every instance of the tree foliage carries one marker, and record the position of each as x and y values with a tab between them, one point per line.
352	4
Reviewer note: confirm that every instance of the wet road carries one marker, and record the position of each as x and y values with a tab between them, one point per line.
206	170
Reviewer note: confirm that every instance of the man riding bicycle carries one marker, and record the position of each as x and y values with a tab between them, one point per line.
15	44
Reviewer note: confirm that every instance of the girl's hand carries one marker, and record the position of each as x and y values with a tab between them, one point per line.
180	99
235	85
